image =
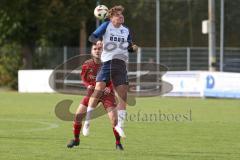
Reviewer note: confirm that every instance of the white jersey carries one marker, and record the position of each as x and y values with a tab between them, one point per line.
115	41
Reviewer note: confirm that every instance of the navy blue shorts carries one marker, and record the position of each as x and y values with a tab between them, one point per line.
114	70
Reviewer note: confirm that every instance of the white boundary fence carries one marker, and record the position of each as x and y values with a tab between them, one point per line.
185	83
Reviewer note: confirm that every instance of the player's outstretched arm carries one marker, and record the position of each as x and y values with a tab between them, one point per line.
98	33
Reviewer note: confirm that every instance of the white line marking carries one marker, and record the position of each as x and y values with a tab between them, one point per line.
49	125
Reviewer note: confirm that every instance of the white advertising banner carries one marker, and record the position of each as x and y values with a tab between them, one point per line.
222	85
34	81
184	83
204	84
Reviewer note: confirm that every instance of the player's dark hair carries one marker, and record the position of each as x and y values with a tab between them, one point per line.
93	44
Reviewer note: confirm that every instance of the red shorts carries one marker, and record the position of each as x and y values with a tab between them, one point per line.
107	100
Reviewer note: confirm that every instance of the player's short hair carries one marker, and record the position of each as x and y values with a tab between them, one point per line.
114	10
93	44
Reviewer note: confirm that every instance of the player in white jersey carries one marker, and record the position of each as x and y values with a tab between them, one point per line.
117	43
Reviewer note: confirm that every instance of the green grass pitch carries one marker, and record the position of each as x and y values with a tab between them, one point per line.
192	129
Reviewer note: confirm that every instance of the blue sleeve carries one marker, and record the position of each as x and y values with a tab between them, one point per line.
130	44
129	39
99	32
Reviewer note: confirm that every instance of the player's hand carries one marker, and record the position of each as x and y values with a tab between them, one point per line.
135	47
132	48
107	90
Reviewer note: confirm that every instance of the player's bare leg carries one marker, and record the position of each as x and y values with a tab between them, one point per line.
92	104
112	114
77	125
121	92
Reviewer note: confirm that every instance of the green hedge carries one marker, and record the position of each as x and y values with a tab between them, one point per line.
10	63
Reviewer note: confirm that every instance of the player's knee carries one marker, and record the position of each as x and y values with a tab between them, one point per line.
100	86
122	93
97	94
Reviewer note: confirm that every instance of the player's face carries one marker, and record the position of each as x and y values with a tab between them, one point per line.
96	51
118	18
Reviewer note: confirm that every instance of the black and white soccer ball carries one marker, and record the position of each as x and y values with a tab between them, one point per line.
101	12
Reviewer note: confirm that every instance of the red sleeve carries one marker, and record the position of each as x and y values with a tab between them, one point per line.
84	75
110	86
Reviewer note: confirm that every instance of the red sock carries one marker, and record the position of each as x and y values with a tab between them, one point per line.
117	137
76	130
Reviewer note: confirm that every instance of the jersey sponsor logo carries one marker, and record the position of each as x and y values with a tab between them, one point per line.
116	39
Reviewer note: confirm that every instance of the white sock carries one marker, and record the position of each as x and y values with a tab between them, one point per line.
121	117
88	114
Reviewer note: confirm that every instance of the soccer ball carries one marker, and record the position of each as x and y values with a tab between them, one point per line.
101	12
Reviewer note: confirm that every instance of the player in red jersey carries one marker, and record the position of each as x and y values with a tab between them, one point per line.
89	71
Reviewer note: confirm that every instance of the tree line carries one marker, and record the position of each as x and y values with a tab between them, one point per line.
27	24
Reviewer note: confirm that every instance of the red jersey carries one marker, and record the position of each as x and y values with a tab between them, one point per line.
89	73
